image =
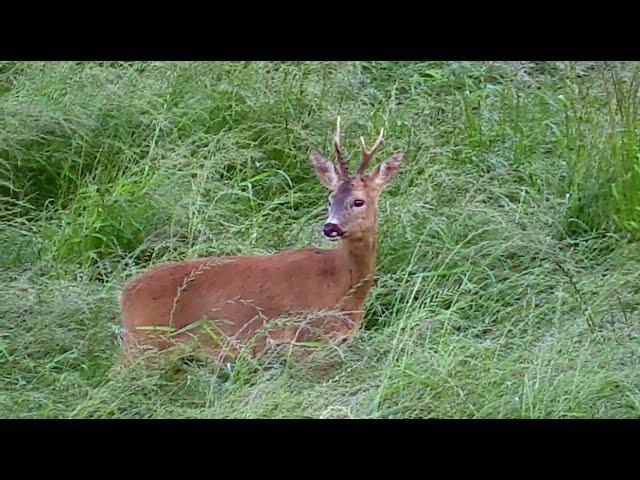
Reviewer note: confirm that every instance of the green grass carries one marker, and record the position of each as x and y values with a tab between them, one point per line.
509	261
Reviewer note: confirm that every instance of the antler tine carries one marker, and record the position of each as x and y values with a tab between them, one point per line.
337	143
368	154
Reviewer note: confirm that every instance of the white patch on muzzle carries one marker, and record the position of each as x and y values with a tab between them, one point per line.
333	220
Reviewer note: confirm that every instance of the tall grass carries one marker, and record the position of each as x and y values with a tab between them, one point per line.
602	154
508	255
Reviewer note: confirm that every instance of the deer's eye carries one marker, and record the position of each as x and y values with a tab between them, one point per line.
358	203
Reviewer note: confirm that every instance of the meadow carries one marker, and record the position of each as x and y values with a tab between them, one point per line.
508	255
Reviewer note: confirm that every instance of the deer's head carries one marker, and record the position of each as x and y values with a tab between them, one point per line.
353	202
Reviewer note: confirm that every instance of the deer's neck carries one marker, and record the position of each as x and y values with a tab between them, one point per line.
360	260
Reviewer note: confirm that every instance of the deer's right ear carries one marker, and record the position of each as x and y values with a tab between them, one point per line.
324	170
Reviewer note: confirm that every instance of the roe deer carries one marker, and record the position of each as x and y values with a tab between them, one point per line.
229	303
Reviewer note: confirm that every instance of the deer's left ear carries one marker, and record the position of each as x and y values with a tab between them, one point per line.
387	170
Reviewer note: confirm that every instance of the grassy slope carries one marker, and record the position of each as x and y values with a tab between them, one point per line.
509	274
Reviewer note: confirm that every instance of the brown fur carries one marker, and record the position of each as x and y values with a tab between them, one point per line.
233	302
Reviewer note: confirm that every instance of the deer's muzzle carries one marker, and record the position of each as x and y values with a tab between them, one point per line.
332	231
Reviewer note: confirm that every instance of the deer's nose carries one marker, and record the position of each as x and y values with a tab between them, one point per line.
332	230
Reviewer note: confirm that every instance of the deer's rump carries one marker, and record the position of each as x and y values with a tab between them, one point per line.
301	289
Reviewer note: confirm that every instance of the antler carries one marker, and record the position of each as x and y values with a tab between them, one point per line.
368	154
337	143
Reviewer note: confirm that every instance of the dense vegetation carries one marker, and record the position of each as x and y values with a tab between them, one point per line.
508	251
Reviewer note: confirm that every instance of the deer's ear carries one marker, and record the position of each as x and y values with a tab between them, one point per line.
324	170
387	170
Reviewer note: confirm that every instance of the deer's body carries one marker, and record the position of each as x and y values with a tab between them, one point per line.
325	289
230	303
